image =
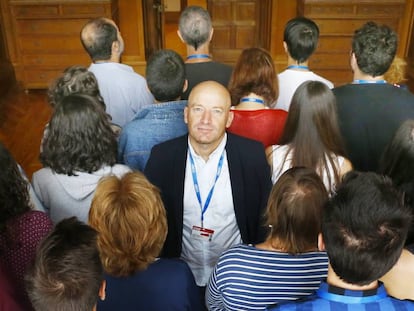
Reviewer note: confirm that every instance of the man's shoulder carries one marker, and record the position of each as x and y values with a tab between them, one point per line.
171	144
112	70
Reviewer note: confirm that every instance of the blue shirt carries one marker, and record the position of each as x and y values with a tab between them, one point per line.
152	125
166	284
329	297
248	278
123	90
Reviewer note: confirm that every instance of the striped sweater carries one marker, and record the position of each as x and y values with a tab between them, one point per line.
247	278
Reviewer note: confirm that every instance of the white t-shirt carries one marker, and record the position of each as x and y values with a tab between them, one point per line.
289	80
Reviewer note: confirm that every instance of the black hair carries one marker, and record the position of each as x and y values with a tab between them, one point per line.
301	36
364	226
165	75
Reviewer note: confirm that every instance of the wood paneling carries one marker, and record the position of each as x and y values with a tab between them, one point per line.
238	24
43	36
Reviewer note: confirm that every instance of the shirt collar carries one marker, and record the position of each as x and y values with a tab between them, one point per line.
216	153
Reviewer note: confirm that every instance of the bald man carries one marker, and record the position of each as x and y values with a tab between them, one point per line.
123	90
214	185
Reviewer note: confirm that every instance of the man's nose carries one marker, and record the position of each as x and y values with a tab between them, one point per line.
206	117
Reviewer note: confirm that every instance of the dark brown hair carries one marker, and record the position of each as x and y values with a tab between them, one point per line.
312	130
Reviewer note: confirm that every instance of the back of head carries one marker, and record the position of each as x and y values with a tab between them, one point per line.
254	73
195	26
301	37
74	79
364	227
374	47
97	37
294	210
79	137
14	193
67	272
165	75
312	129
130	217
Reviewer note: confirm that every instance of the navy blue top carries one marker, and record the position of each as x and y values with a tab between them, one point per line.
329	297
167	284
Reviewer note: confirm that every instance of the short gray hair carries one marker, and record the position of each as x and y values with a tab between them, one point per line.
195	26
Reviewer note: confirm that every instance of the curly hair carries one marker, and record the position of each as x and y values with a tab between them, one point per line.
254	73
130	217
74	79
79	137
374	47
14	190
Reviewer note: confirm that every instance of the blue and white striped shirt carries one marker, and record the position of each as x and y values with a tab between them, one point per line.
247	278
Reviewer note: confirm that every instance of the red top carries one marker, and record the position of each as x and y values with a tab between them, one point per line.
264	125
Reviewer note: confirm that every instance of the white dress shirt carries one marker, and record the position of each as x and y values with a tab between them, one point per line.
200	253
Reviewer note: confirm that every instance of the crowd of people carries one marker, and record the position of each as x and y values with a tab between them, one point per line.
206	187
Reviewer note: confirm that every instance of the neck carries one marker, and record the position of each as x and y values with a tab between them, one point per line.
249	102
358	75
335	280
203	49
112	59
293	62
204	150
271	244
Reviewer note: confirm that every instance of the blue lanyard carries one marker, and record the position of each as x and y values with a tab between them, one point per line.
298	67
252	99
197	187
193	56
360	81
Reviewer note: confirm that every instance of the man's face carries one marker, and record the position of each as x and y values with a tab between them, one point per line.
208	114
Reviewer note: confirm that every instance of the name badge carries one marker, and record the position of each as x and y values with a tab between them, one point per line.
202	233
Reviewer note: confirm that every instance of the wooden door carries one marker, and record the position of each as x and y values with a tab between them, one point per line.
154	25
7	76
239	24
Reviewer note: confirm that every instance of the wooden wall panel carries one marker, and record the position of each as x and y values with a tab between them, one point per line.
131	25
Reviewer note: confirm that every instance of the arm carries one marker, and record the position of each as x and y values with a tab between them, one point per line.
269	158
345	167
214	299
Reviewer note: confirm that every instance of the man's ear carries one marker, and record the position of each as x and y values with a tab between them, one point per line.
321	243
102	291
185	86
115	47
180	36
229	119
285	46
211	34
186	115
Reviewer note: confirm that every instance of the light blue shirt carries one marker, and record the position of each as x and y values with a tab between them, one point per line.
123	90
